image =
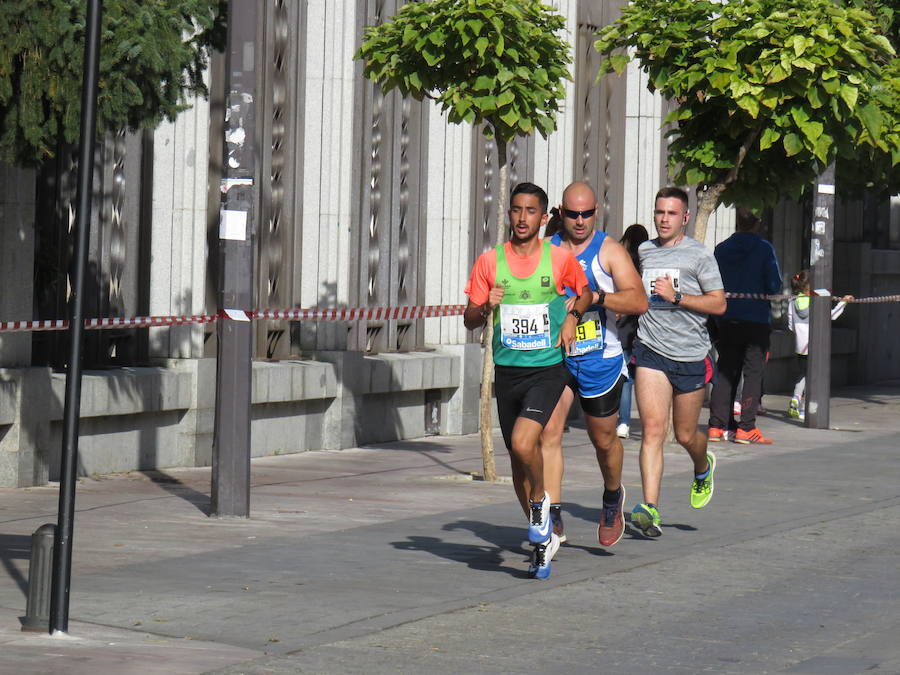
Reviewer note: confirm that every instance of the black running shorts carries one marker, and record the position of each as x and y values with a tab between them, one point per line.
527	392
606	404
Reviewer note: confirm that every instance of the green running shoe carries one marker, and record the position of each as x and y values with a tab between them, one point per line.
702	488
646	519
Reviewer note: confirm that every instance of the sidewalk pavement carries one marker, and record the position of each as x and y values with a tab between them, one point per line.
392	559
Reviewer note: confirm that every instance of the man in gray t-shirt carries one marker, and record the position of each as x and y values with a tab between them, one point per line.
683	283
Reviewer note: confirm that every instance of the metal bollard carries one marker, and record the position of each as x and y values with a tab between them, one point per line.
40	573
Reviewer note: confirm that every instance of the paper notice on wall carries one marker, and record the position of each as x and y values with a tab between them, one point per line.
236	314
233	225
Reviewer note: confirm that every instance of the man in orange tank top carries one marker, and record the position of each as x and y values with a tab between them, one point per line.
520	287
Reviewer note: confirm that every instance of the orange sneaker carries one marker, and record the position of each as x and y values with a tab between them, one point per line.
753	436
612	521
716	435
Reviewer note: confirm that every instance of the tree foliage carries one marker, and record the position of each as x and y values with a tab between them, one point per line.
870	169
496	61
767	93
886	18
152	54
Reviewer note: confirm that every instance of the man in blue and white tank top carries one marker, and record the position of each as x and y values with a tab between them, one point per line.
596	362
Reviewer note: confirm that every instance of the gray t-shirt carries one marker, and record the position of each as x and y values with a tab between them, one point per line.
675	332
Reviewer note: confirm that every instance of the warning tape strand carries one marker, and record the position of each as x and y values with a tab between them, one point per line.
761	296
346	314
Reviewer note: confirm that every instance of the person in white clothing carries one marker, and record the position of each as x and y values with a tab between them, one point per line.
798	321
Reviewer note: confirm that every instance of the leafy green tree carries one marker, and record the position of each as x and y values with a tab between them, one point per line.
871	170
767	93
500	63
152	55
886	17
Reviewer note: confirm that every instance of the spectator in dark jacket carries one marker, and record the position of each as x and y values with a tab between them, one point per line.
748	264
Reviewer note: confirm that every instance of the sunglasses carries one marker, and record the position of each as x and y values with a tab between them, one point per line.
575	214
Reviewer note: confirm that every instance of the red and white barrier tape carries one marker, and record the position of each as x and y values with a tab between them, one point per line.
762	296
361	313
347	314
879	298
105	323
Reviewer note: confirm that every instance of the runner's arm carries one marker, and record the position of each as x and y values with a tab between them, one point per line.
584	301
570	275
629	296
710	302
567	330
483	296
477	315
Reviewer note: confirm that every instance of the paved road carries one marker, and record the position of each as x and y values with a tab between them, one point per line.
386	560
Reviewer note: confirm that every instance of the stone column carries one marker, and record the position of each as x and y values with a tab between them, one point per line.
178	240
27	404
644	149
340	427
462	406
449	227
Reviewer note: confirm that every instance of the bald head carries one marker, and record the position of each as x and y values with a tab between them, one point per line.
579	191
579	212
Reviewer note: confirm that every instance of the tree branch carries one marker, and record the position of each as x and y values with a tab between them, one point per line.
742	153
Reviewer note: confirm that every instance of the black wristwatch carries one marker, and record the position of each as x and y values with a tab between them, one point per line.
677	299
574	312
601	297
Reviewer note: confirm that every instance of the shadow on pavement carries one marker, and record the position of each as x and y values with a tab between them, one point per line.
176	488
586	513
427	449
501	539
487	558
15	547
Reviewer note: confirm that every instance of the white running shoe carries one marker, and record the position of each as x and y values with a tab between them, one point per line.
622	431
540	566
539	525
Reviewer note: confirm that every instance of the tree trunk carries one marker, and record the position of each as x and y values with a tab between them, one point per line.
707	201
489	471
487	367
